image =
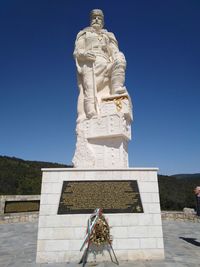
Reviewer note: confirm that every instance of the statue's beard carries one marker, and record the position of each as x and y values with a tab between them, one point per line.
96	26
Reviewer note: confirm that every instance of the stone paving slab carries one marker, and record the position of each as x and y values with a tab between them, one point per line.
181	239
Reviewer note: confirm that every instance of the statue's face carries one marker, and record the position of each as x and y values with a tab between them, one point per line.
97	22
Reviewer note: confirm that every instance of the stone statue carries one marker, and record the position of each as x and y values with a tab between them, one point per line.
100	66
104	106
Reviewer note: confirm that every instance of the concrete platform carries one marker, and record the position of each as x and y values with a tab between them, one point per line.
181	239
136	227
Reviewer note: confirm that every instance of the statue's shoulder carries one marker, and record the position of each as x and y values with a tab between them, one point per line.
111	36
83	32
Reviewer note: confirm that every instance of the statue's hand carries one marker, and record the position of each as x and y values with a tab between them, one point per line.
90	56
120	58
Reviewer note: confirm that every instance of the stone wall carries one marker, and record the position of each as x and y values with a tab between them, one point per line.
17	217
22	217
179	216
33	216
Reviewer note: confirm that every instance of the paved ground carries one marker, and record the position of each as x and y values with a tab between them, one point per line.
182	247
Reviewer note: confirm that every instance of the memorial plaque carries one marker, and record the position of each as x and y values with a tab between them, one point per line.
112	196
21	206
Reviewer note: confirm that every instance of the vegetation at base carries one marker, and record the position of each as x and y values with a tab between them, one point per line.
177	191
23	177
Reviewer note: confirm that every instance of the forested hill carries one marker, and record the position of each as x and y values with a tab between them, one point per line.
177	191
22	177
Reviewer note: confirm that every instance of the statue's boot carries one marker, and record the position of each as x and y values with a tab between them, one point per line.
118	79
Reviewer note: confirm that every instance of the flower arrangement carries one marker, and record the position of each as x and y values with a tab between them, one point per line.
100	234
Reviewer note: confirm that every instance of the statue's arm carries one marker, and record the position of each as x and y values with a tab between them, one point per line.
114	50
80	52
116	54
79	47
113	45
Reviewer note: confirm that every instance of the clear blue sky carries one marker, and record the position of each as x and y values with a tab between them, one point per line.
38	88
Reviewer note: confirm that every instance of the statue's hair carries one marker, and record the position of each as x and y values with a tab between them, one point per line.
98	12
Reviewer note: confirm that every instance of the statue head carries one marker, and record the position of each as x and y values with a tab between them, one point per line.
97	19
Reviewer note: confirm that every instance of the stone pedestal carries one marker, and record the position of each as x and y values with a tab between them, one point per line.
102	141
135	235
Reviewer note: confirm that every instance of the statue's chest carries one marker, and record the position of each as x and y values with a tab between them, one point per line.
94	40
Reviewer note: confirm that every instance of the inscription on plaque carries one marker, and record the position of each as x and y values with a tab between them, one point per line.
21	206
112	196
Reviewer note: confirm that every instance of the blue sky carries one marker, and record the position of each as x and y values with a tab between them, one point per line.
38	88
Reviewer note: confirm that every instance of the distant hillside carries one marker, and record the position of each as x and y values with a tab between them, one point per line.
177	191
22	177
187	176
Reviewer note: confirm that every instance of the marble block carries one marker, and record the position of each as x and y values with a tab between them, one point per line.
136	236
102	141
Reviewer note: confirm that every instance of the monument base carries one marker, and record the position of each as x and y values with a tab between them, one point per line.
137	235
102	141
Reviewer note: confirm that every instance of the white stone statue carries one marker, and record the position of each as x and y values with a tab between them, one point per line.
104	106
100	66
